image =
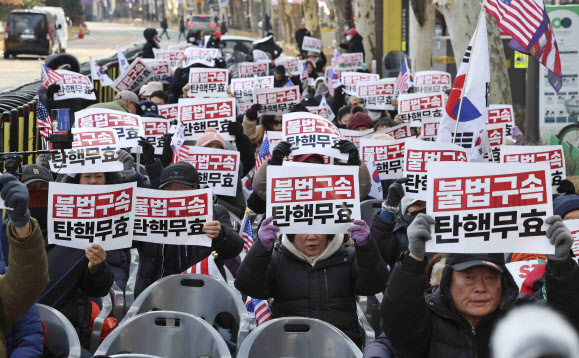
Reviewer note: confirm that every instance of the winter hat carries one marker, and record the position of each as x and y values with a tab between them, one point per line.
563	205
211	136
406	202
382	136
360	119
149	109
310	102
279	70
180	172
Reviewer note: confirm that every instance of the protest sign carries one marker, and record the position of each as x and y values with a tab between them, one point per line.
312	44
496	134
79	215
93	150
275	137
161	69
311	134
200	55
432	81
276	100
417	106
429	129
260	56
310	198
552	154
172	56
502	113
350	80
398	132
377	95
573	226
387	155
179	47
521	269
250	69
133	77
321	111
208	82
74	85
355	136
172	217
218	168
488	207
155	129
243	107
417	153
128	126
242	88
291	64
198	114
169	111
352	60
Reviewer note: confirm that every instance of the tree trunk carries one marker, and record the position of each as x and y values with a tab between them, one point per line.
348	13
339	20
275	23
366	26
421	33
285	22
253	13
500	81
239	18
312	15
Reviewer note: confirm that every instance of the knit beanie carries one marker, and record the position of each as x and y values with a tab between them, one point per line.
211	136
360	119
563	205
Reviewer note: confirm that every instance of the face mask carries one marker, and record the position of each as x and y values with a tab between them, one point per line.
40	214
415	213
348	37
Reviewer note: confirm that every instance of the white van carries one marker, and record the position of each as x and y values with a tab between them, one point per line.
61	20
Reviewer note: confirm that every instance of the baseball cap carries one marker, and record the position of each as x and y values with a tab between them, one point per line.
131	97
217	34
149	109
33	172
462	262
153	87
304	157
351	32
180	172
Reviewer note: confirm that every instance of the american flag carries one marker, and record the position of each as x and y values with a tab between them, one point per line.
304	71
43	119
263	153
207	267
49	76
338	58
247	234
404	79
333	81
528	23
258	309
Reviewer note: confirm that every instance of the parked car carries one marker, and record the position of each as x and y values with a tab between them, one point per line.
231	43
30	32
62	23
196	23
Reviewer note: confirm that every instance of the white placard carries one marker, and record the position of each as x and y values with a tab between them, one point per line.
173	217
552	154
129	127
398	132
169	111
312	44
260	56
198	114
496	135
173	56
242	88
134	77
387	155
200	55
218	168
354	136
292	65
414	107
502	113
377	95
432	81
352	60
74	85
488	207
208	82
250	69
161	69
155	129
429	129
79	215
93	150
350	80
573	226
312	198
276	100
521	269
311	134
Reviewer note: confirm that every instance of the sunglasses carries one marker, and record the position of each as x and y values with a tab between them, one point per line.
276	123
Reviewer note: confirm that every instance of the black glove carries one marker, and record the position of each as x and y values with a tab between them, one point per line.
566	187
395	193
281	150
252	112
52	89
345	146
235	129
15	195
148	151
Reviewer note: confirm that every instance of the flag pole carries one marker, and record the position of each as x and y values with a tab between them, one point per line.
467	72
244	221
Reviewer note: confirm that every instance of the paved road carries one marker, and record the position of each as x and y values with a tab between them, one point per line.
100	43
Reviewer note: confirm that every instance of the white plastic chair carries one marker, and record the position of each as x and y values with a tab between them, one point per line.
131	282
61	332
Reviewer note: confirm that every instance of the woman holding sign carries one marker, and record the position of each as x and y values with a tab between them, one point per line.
314	275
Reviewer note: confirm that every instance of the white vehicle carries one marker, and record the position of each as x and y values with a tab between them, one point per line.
61	20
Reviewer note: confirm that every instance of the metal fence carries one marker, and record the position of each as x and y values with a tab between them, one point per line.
18	130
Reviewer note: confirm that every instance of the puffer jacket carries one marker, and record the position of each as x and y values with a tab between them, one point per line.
150	44
391	236
355	45
424	322
156	260
325	290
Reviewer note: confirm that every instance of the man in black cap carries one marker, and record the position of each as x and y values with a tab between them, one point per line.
281	79
158	260
456	318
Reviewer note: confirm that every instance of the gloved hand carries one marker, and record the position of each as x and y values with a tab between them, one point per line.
360	232
235	129
395	193
43	160
418	233
252	112
127	159
148	151
267	233
15	195
559	236
566	187
281	150
52	89
345	146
